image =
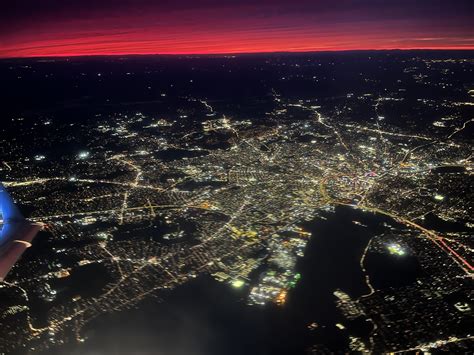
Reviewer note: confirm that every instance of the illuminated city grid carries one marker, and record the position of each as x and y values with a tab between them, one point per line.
243	206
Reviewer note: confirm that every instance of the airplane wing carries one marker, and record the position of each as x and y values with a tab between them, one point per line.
16	233
8	209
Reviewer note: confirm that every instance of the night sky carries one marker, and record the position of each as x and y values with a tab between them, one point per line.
93	27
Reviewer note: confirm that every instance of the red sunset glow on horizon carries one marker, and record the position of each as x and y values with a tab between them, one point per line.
229	29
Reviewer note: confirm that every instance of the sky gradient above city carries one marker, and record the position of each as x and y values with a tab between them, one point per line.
31	28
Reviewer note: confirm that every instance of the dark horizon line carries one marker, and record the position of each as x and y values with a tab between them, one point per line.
233	54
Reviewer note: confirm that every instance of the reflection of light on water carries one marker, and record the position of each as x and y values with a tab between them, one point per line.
396	249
